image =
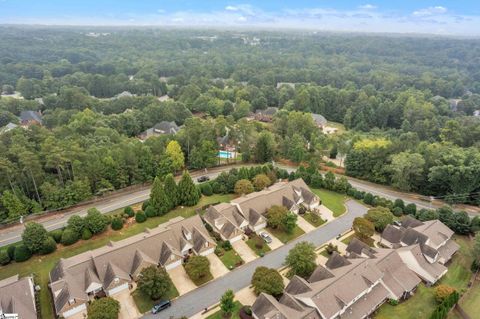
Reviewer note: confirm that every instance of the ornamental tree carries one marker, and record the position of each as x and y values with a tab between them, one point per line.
104	308
301	260
188	193
154	282
267	280
158	198
243	187
363	228
34	236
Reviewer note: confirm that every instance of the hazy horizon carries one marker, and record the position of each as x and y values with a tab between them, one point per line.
458	18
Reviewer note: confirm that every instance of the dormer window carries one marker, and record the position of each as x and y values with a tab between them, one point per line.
187	234
71	301
116	280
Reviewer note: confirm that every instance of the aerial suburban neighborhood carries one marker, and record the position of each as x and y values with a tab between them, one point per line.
239	160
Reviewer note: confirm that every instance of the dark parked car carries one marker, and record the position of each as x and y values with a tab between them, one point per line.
162	305
202	179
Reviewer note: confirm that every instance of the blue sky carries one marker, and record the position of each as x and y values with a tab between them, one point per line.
460	17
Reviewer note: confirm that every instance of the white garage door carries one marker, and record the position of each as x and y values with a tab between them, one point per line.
118	289
173	265
234	239
75	310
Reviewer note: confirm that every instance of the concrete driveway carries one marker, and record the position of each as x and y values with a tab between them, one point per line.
326	213
244	251
276	243
128	309
180	279
217	268
304	225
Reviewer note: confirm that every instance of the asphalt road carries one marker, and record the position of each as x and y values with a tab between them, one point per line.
14	233
209	294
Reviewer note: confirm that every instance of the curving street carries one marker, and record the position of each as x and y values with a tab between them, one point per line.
196	300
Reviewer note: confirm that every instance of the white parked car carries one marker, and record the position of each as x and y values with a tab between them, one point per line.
266	237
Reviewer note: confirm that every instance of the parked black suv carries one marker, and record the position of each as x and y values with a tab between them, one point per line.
162	305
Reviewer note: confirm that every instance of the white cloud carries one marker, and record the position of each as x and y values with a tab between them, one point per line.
161	11
367	6
430	11
241	19
231	8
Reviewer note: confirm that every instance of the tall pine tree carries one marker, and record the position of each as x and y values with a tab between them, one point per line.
188	193
159	199
171	190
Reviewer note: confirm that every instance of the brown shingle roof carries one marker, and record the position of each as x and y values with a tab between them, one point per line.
17	296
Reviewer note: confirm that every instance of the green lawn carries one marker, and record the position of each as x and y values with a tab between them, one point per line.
422	304
471	300
231	259
313	219
144	303
203	279
42	265
332	200
283	236
252	243
235	315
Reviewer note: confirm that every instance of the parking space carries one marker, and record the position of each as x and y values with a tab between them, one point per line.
244	251
217	268
275	241
128	309
180	279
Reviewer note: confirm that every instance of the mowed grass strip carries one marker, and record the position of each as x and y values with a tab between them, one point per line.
332	200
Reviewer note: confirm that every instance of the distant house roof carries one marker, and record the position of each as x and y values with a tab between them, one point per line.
270	111
31	116
17	296
163	127
320	120
124	94
10	126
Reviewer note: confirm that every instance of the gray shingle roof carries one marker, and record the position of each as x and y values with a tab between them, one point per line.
27	116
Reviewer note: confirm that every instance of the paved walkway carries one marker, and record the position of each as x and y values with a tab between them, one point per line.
304	225
217	267
180	279
244	251
209	294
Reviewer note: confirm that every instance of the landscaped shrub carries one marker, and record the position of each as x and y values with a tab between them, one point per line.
69	237
393	302
397	211
443	309
206	189
4	258
86	234
411	209
145	204
129	211
22	253
96	221
56	235
49	246
331	248
117	223
227	245
150	212
140	217
11	251
368	199
208	227
442	292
